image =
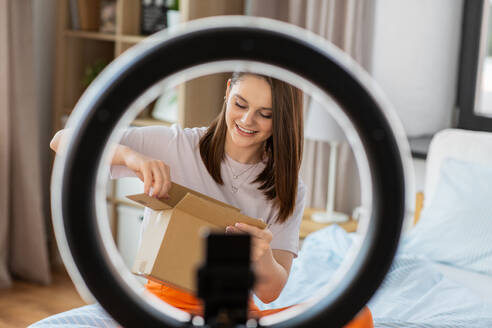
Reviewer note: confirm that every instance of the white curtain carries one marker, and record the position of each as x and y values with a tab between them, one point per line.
348	25
23	242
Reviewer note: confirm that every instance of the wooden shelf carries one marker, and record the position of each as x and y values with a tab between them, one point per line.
131	38
90	35
104	36
149	121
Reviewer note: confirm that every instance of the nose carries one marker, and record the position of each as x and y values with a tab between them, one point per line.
247	117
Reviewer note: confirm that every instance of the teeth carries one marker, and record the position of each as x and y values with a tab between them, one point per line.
244	130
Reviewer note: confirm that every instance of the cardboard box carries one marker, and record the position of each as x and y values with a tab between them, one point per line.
172	246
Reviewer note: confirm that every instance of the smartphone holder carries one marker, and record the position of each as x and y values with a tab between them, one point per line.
225	280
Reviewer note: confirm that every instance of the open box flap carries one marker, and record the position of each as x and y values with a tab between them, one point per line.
176	194
150	202
215	214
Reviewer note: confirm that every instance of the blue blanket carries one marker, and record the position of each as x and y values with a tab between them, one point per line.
414	293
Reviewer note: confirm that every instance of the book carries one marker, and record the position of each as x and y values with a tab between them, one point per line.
74	14
88	14
152	16
107	22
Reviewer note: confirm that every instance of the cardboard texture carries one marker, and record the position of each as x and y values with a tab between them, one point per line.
172	246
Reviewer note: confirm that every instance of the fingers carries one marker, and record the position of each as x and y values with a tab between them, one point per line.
162	180
140	176
265	234
158	180
166	185
147	179
233	230
156	175
254	231
245	228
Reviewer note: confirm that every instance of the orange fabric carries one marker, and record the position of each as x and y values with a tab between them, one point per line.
179	299
362	320
189	303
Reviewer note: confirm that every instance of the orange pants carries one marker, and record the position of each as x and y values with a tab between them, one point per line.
189	303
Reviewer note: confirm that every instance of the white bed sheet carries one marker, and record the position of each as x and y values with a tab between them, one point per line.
481	284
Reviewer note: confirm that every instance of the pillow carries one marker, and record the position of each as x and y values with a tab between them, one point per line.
456	228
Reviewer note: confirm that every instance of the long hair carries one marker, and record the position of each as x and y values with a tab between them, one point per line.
283	148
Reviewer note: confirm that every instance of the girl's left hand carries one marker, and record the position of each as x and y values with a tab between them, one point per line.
260	239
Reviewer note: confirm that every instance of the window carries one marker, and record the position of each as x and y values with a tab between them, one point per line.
475	73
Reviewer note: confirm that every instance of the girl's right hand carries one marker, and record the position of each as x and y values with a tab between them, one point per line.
154	173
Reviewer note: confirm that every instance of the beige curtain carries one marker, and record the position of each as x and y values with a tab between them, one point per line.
348	25
23	244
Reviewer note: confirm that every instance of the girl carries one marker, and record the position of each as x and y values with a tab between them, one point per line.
248	157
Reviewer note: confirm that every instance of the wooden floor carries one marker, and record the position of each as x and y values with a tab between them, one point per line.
26	303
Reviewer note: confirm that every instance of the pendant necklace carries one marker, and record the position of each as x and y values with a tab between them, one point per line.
235	176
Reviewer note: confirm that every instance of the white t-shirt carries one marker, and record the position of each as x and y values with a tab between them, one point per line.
179	149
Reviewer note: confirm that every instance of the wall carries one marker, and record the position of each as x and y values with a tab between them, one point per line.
415	60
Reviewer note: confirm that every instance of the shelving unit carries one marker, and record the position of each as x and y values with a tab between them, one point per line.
199	100
76	49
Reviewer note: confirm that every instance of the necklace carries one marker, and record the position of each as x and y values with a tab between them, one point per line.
235	176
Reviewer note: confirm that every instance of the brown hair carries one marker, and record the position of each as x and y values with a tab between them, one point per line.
283	149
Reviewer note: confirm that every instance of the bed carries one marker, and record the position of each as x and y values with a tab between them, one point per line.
442	273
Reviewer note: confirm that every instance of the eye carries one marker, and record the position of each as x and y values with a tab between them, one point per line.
240	106
266	115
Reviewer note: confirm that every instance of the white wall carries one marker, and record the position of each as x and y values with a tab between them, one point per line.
415	60
419	170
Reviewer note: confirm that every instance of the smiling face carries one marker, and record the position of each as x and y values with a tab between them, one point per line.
243	130
248	117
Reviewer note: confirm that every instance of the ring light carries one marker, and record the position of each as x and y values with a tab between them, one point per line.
207	41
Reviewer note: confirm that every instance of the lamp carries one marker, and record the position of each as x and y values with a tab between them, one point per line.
320	126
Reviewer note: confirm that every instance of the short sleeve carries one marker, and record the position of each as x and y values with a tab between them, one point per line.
286	235
151	141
